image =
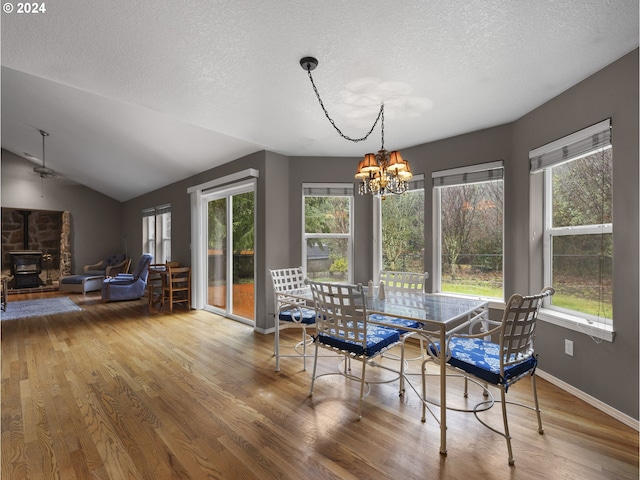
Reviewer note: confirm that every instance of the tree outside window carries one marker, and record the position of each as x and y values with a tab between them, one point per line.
327	236
580	234
402	234
471	238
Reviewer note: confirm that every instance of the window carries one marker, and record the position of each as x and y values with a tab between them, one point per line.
156	233
468	230
327	240
578	222
400	241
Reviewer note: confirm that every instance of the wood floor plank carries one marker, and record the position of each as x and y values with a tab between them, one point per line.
119	391
187	455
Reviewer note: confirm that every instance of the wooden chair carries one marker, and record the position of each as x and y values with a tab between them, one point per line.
177	287
343	328
155	282
499	363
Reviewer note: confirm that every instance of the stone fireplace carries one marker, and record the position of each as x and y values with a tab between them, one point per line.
36	248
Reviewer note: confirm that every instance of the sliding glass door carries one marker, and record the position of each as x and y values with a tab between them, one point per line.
230	231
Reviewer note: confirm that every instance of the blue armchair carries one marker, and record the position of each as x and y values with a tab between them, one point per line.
128	286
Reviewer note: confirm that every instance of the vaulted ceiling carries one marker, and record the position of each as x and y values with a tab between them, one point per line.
137	95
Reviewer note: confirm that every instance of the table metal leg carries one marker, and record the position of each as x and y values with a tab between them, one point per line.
443	393
276	347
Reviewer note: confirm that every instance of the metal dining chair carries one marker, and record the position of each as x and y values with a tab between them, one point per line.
343	328
403	283
501	362
291	311
409	282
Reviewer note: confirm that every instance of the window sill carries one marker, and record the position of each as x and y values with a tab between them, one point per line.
577	324
572	322
494	303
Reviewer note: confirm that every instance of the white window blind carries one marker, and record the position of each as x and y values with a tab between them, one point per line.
483	172
571	147
417	182
327	190
150	212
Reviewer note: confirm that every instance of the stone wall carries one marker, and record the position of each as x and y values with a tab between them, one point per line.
65	245
49	232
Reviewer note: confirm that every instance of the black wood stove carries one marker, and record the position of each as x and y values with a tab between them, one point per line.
26	266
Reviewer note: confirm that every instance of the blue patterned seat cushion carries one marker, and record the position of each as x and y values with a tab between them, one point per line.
308	315
400	322
482	359
378	338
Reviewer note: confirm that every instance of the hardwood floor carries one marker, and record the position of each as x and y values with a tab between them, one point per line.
120	392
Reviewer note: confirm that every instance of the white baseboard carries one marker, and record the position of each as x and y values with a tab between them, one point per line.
618	415
265	331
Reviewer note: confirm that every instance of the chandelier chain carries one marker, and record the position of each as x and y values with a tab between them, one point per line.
346	137
379	174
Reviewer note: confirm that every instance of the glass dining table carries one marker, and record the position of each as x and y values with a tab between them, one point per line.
439	314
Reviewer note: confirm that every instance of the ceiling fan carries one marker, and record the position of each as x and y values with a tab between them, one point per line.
44	171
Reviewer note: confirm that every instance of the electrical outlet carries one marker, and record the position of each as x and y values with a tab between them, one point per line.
568	347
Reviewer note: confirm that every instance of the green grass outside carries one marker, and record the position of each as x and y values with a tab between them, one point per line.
576	303
581	304
479	290
488	290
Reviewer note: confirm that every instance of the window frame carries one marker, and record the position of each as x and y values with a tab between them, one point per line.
566	149
551	232
330	190
161	243
477	173
415	184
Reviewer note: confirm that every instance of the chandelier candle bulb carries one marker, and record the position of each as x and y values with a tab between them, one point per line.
383	173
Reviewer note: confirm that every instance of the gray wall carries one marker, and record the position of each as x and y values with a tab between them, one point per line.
331	170
96	219
274	214
269	206
607	371
483	146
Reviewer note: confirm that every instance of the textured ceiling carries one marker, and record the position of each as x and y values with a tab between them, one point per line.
136	95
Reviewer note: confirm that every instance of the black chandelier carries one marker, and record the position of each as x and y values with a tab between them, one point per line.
379	173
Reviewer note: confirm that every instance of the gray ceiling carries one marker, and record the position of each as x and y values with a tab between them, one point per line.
137	95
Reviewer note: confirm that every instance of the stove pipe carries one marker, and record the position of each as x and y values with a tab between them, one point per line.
25	228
